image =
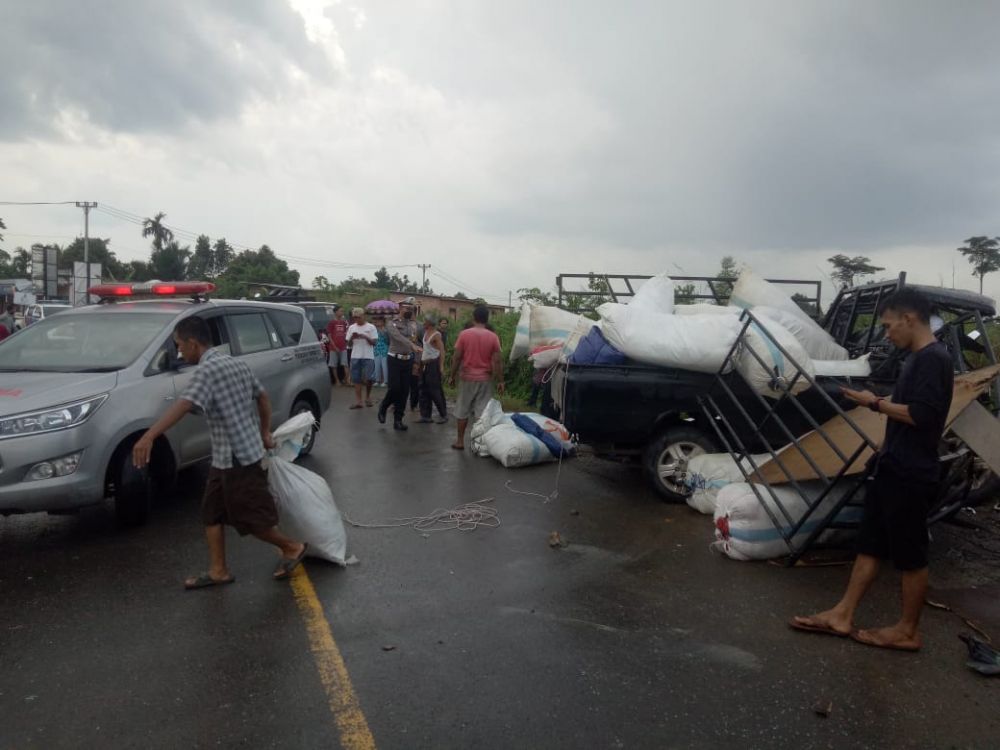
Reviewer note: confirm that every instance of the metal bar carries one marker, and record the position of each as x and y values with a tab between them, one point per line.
821	527
871	327
774	520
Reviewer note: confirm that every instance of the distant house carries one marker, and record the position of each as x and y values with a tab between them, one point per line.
445	307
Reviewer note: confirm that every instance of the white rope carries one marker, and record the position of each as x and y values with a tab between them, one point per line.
467	517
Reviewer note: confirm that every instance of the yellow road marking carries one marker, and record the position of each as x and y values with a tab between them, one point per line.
351	722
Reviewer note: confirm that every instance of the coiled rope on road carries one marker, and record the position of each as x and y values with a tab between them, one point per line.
465	517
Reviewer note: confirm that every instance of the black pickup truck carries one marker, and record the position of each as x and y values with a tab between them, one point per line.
652	414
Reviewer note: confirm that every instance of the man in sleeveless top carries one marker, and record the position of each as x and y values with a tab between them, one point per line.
432	374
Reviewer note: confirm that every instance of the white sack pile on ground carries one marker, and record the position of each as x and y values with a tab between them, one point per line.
708	473
499	435
744	531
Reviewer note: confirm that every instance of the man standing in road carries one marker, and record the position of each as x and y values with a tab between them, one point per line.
336	329
402	331
362	337
477	362
239	420
443	330
905	478
7	318
432	374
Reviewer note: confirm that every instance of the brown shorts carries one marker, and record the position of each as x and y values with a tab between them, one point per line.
240	498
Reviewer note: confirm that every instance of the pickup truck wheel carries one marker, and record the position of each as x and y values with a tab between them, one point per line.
300	407
665	459
133	491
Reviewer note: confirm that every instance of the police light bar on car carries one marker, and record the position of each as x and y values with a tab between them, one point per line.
152	289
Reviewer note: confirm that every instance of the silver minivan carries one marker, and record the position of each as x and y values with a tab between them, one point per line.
79	388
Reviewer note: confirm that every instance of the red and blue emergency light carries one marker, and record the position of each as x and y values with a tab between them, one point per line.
155	288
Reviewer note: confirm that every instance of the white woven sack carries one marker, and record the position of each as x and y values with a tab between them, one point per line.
306	510
522	335
708	473
689	342
492	416
774	380
705	308
513	447
656	295
847	368
550	325
752	292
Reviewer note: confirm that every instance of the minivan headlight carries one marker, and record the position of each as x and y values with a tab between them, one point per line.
50	420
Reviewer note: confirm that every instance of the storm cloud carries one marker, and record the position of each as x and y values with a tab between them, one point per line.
506	142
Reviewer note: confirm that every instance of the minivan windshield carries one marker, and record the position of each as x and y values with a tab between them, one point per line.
92	342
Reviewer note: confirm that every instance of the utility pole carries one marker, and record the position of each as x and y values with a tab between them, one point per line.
86	206
510	300
423	274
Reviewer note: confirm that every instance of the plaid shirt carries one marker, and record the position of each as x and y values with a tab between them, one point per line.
226	391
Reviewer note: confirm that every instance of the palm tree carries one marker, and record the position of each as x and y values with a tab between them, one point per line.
155	228
984	255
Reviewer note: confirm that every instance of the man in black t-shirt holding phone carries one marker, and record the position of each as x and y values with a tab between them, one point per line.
905	478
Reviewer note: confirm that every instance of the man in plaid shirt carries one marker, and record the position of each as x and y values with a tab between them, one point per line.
239	417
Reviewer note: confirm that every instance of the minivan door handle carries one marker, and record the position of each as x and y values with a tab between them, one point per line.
287	357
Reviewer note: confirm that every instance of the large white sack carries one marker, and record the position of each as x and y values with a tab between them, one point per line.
583	326
846	368
774	379
708	473
744	531
293	434
550	325
522	334
817	342
306	510
705	308
492	416
751	292
689	342
513	447
544	357
656	295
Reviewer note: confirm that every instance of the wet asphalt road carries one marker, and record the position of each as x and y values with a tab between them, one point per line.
633	635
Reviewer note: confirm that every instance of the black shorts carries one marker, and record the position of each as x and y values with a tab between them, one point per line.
894	526
240	498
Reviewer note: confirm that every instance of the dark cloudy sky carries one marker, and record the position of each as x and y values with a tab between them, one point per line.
504	142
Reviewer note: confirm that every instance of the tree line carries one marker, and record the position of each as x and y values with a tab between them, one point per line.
231	271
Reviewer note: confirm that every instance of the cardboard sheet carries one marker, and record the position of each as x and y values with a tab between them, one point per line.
968	387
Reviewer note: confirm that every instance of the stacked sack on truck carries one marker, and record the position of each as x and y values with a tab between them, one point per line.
745	531
699	337
519	439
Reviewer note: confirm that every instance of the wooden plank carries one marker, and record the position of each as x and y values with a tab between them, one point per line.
968	387
981	432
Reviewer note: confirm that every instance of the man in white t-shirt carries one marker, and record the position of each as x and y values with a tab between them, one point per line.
361	337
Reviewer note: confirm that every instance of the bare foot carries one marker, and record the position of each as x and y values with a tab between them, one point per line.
829	622
895	638
458	446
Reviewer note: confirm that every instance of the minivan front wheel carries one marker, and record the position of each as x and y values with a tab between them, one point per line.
133	492
300	407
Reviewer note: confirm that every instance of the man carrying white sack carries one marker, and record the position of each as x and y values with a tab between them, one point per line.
239	421
904	478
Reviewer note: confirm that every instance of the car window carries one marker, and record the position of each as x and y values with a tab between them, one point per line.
168	352
251	332
289	324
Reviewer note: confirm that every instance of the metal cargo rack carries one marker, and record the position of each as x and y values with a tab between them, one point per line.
723	407
622	287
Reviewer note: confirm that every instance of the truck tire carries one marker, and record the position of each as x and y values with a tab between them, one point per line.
665	459
133	492
300	407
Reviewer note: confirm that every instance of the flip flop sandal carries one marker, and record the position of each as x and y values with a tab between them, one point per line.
856	637
357	406
369	403
204	581
286	566
820	629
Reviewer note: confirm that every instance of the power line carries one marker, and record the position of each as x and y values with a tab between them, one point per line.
37	203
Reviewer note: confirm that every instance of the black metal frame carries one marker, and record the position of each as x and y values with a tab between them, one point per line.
720	288
729	437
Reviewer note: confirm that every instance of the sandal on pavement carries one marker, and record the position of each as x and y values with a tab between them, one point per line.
864	637
204	580
357	406
286	565
369	403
